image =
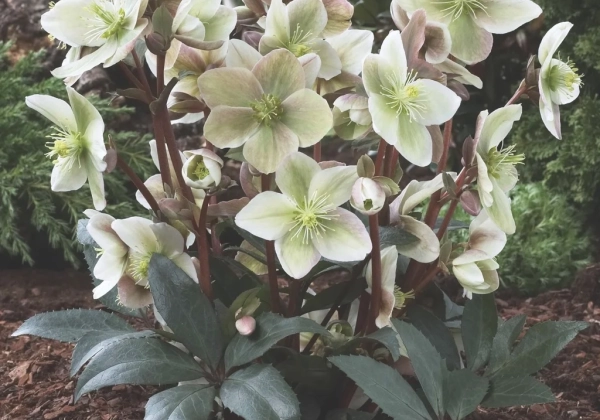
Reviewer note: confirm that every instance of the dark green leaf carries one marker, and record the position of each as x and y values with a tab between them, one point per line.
479	324
184	402
270	329
143	361
463	391
347	414
541	343
227	285
389	338
395	236
384	385
426	362
72	324
503	342
186	310
260	393
524	390
326	298
437	333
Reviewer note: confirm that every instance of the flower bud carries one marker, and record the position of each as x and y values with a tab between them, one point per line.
367	196
351	116
245	325
202	168
365	167
339	16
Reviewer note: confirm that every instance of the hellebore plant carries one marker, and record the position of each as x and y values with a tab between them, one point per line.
264	277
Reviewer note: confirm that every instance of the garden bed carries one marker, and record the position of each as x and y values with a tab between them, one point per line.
35	381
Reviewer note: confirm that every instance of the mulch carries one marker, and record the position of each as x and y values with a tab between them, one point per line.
34	373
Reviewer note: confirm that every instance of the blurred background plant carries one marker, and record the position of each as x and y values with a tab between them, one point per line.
38	225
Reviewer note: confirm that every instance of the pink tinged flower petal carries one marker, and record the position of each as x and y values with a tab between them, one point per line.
310	16
339	15
345	238
267	148
311	63
240	54
235	87
54	109
389	262
331	65
486	236
230	127
96	182
435	11
87	62
269	215
184	261
308	115
462	75
137	234
367	196
220	25
440	103
438	42
471	256
99	228
427	248
68	175
155	186
133	296
497	126
352	47
503	16
334	183
109	268
170	240
392	50
280	74
278	22
470	42
297	257
63	22
552	40
294	175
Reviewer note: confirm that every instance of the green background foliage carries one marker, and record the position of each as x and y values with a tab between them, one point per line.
35	219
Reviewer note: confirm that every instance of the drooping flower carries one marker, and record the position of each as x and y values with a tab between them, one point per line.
265	109
110	26
351	117
401	105
77	147
496	172
472	22
367	196
298	27
305	220
476	268
559	82
202	169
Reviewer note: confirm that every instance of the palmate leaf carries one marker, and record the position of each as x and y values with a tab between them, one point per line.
72	324
522	390
260	393
479	325
186	310
384	385
182	402
142	361
463	391
508	332
270	329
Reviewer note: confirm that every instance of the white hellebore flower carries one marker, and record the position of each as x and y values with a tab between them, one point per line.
472	22
475	269
77	148
367	196
202	169
351	117
496	172
401	105
559	82
305	220
111	26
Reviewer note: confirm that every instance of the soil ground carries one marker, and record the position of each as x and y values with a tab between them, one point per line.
34	373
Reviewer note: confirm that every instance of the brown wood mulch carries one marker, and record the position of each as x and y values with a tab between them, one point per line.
34	373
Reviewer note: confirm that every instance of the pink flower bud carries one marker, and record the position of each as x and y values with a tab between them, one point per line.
245	325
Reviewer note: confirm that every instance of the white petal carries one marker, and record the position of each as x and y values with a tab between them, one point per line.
280	74
297	257
497	126
470	42
345	238
230	127
68	176
427	248
294	175
56	110
87	62
552	124
334	183
235	87
220	25
311	63
416	192
61	22
269	215
331	65
500	211
352	47
468	275
170	240
109	268
137	234
278	22
503	16
267	148
463	75
310	16
552	40
414	142
240	54
486	236
184	261
440	103
307	106
99	228
96	182
392	50
155	186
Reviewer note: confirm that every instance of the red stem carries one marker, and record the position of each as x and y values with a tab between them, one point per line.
317	152
445	151
203	251
379	158
139	184
517	95
141	73
376	291
389	160
270	254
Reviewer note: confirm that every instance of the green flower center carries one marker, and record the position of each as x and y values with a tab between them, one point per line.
299	43
199	171
454	9
499	161
401	297
563	76
311	217
404	96
138	268
108	19
65	145
267	110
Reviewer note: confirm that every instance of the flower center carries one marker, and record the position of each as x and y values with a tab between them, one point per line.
267	109
455	8
65	145
311	216
401	297
108	19
299	44
200	171
499	161
404	97
563	76
138	268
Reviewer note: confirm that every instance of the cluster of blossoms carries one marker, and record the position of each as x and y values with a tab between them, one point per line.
271	79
